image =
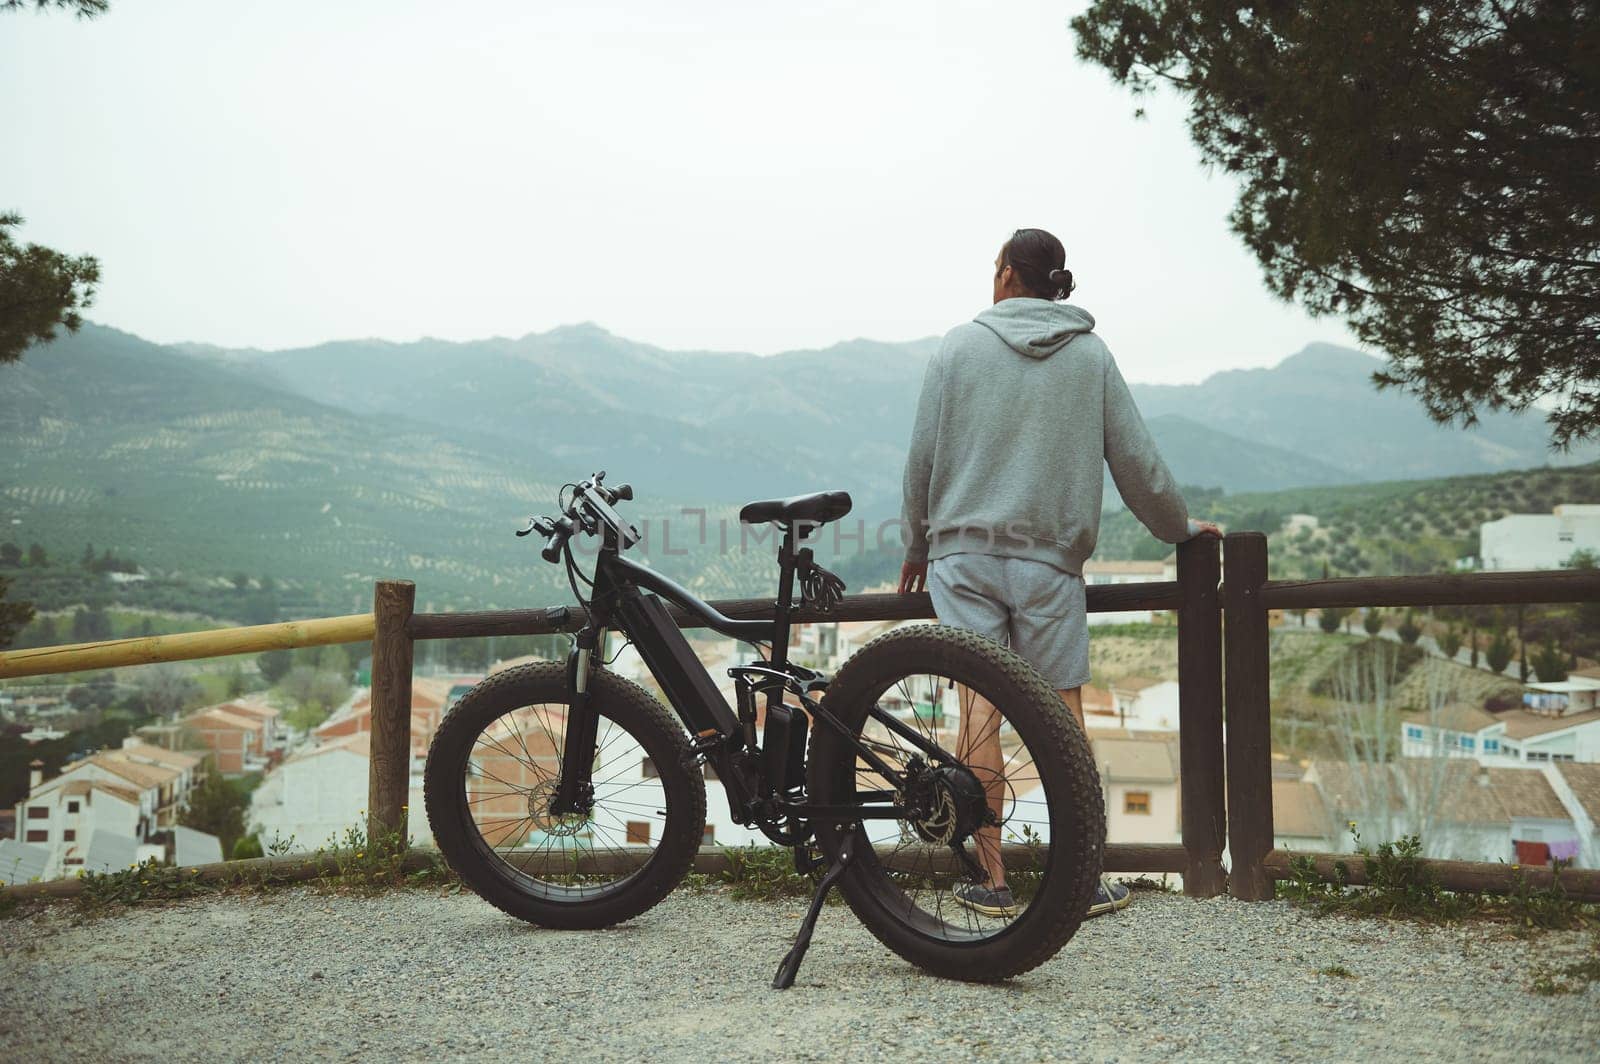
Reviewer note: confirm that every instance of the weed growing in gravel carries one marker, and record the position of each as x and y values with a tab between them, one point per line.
1400	886
371	865
1338	971
1570	978
763	873
150	881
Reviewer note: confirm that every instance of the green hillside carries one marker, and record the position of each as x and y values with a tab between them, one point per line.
198	474
1401	526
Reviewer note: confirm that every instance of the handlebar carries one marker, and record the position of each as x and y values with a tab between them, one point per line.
591	496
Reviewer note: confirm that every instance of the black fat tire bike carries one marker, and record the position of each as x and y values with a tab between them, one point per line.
935	762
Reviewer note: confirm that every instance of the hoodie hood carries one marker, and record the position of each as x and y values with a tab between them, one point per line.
1037	328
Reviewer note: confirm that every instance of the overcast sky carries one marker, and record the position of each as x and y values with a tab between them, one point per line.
732	176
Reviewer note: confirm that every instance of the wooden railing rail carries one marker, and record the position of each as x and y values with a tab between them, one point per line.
1225	772
185	646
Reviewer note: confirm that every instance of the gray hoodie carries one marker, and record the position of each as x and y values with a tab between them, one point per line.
1019	407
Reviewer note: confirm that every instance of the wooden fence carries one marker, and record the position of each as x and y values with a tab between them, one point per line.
1225	772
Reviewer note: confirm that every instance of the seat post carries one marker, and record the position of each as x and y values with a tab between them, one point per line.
784	607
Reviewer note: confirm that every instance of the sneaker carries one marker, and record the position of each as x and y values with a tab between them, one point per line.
981	899
1108	897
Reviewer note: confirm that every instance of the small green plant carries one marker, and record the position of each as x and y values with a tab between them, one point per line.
1401	886
763	873
1338	971
138	884
371	865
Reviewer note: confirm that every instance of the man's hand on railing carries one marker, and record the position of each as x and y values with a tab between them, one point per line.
1203	528
913	577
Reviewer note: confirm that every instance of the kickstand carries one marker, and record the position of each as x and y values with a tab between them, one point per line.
802	941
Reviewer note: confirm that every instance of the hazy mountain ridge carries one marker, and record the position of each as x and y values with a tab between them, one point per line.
752	421
330	466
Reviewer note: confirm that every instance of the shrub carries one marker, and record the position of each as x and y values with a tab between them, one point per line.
1373	621
1498	654
1409	631
246	848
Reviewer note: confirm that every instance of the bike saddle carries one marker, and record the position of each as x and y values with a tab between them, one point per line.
817	508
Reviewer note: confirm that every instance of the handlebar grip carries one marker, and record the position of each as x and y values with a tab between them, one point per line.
558	539
623	492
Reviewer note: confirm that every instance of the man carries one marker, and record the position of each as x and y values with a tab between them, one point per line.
1020	409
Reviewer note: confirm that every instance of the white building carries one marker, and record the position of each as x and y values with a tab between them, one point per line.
1530	736
1139	778
1143	703
1540	541
1462	810
1098	573
108	806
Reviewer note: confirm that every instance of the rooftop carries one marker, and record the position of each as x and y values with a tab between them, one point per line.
1523	724
1585	783
1298	809
1136	760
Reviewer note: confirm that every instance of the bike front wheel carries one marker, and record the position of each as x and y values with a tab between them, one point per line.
927	886
494	767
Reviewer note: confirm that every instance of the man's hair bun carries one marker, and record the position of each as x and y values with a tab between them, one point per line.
1062	279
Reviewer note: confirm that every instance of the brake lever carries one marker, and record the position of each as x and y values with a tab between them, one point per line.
542	525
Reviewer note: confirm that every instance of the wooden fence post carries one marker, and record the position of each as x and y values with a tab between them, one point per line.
1200	716
389	777
1248	701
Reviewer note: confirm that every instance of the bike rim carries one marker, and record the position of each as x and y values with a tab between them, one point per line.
919	881
510	772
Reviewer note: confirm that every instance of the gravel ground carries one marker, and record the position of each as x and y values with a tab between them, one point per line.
417	976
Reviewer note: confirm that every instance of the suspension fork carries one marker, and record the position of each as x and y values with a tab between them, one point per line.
575	790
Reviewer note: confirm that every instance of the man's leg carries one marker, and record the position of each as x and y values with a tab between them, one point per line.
1073	697
978	747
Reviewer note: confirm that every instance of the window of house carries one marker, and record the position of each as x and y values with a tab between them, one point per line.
69	835
709	835
37	836
72	807
1560	757
638	833
1136	802
38	812
1538	755
647	769
1468	742
1413	732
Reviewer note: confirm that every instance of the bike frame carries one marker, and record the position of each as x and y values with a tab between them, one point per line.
764	776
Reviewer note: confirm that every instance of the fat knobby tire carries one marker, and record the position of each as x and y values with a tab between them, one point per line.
1059	748
618	700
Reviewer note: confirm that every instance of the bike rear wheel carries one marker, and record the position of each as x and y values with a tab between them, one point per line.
998	718
494	766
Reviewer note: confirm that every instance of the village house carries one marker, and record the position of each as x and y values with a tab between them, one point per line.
1139	778
1461	809
112	804
1300	820
1548	731
236	739
1098	573
1539	541
1145	703
1578	788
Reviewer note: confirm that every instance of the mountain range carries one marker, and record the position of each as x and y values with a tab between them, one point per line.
340	462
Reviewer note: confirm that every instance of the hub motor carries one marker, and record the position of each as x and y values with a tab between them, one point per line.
945	804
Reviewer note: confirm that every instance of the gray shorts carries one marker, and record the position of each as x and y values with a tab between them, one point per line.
1037	610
